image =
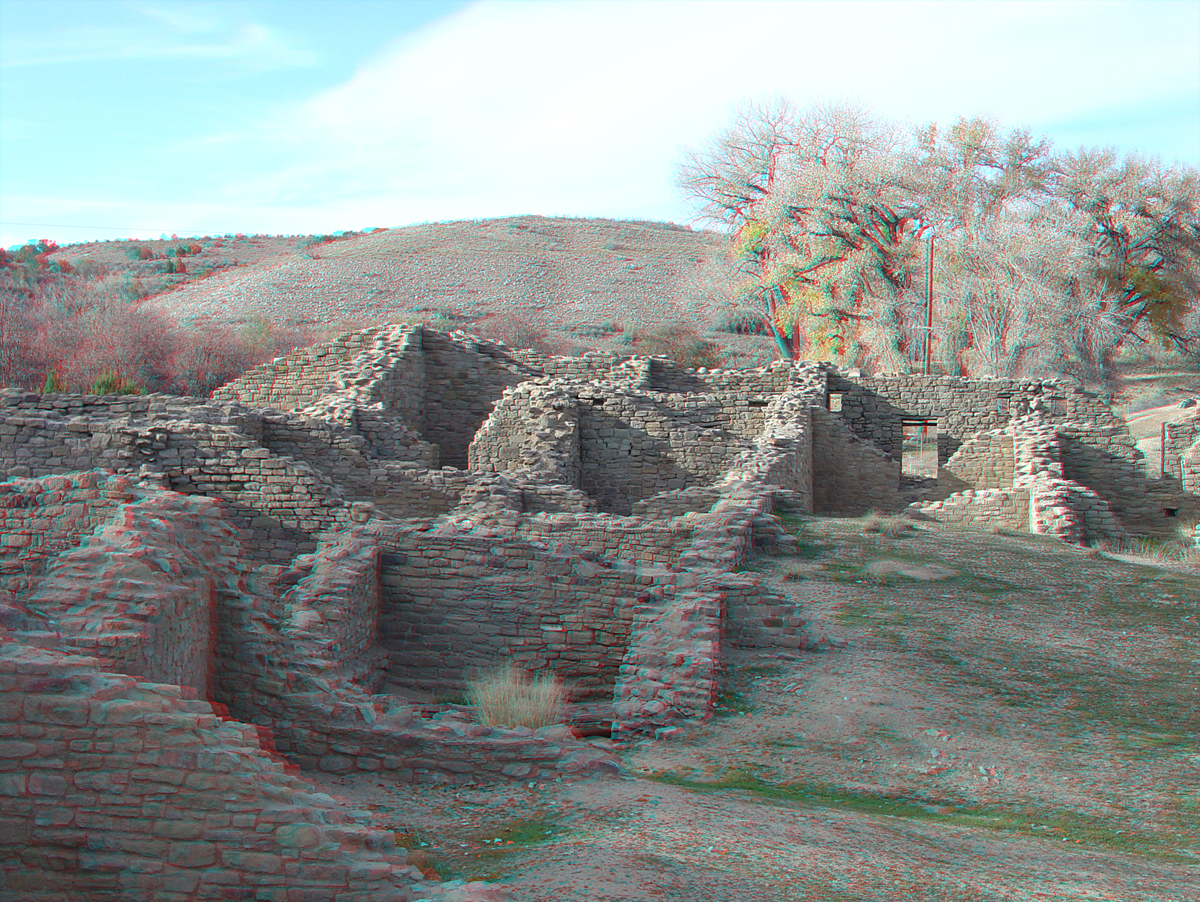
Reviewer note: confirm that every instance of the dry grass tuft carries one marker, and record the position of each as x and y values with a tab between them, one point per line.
508	698
891	525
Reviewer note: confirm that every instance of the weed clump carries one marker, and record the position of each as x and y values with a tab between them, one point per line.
508	698
891	525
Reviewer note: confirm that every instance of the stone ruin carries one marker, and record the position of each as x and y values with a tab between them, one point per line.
201	599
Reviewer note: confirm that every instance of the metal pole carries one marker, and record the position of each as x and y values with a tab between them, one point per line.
1162	453
929	296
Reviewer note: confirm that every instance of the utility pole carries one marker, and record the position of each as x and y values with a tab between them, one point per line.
929	304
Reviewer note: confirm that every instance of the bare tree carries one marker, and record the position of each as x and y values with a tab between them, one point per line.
828	211
823	225
1145	229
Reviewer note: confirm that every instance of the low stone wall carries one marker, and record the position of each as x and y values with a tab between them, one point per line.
113	788
1005	508
653	543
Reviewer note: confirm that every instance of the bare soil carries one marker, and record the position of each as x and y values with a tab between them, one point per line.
1011	718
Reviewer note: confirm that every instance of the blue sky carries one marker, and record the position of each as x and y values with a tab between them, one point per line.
135	119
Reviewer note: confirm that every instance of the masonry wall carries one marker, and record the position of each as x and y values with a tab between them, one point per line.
1180	437
138	592
983	462
849	476
1109	463
452	607
297	379
463	382
42	518
635	446
113	789
875	406
285	660
630	539
1006	508
533	427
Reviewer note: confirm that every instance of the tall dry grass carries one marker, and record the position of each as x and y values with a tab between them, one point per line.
508	698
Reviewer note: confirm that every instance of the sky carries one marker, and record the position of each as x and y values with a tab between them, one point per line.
139	120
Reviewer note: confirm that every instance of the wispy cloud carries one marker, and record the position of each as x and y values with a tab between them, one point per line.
156	32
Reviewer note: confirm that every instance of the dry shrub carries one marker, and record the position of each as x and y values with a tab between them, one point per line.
515	331
891	525
507	698
680	343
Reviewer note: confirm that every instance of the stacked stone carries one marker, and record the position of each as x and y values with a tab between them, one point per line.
635	540
112	788
42	518
985	461
139	592
850	476
298	379
535	428
1006	508
456	602
1180	438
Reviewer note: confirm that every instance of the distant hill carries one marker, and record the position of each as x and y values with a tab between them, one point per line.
575	278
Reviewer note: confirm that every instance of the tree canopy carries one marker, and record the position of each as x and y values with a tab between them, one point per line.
1039	259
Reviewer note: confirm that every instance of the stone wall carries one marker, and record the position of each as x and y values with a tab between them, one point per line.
113	788
634	446
1004	508
849	476
463	381
1108	462
138	593
43	518
876	406
534	427
983	462
298	379
655	543
1180	437
454	607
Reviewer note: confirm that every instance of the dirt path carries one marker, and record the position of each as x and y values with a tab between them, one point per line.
1023	728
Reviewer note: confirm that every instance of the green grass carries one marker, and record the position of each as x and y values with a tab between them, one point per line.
1056	824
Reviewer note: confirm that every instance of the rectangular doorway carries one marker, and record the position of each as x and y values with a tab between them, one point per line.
919	456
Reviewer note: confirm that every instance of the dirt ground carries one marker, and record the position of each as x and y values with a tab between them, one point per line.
1010	718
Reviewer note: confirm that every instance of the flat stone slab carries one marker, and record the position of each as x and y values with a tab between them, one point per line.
913	571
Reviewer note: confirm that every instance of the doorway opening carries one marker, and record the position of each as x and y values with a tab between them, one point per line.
919	454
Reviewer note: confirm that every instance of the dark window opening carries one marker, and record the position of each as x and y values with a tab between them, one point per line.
1172	512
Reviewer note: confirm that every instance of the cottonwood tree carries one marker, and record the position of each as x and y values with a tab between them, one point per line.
1144	221
827	212
824	226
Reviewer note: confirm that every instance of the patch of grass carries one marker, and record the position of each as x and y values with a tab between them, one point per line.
890	525
508	698
730	703
1044	823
